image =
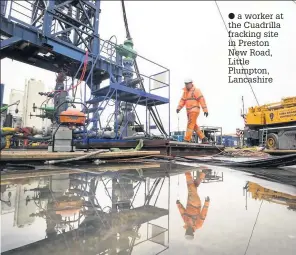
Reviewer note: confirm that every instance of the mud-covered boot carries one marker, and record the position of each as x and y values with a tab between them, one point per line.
205	140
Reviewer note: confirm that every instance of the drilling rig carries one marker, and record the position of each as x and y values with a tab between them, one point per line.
119	105
63	37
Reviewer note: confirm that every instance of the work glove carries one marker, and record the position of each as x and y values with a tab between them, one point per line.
206	114
178	202
207	199
177	110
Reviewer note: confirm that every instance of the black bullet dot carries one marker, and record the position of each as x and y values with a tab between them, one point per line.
231	15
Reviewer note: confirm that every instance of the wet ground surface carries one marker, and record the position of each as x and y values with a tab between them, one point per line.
134	211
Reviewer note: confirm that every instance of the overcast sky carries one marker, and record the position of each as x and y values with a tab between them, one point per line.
190	39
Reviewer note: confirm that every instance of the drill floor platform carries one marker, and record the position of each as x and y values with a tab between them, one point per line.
130	95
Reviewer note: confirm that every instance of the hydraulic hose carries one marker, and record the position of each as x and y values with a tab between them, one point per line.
32	138
128	35
150	108
4	108
88	155
85	62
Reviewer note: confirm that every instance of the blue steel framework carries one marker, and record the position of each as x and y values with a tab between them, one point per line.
55	35
1	94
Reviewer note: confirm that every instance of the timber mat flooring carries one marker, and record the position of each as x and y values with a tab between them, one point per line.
18	155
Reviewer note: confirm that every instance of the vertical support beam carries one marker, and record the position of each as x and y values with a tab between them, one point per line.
147	113
96	40
75	37
113	197
93	189
169	199
34	11
3	5
169	103
47	22
119	63
96	51
117	106
96	116
1	93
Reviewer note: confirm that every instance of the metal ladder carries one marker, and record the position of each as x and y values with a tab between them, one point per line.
264	137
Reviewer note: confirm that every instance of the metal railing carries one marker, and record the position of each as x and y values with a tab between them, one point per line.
72	24
109	53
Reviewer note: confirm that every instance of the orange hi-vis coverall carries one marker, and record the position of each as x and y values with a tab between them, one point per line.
193	99
193	216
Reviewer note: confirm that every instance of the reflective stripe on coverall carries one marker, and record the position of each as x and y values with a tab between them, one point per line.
193	100
193	216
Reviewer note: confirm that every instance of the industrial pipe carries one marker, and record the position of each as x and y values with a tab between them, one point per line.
32	138
2	134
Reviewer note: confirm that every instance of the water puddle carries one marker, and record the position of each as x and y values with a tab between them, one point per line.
146	209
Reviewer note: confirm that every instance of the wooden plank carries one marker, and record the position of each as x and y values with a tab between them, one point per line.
280	152
11	155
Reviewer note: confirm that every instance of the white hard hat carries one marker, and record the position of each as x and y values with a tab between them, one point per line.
188	80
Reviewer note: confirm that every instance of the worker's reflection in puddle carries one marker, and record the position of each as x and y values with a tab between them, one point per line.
193	216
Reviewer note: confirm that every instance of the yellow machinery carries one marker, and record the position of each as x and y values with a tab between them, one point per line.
8	137
272	125
261	193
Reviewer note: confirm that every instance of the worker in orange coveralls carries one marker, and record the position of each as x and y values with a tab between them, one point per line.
193	99
193	215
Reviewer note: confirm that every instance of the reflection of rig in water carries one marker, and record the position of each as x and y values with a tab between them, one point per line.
91	214
261	193
210	176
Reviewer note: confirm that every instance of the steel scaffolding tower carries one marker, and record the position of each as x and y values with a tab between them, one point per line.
60	35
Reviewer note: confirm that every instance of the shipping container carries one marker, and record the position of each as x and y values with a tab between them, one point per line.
229	140
178	135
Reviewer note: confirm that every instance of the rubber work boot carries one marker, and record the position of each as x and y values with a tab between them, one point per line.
205	140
